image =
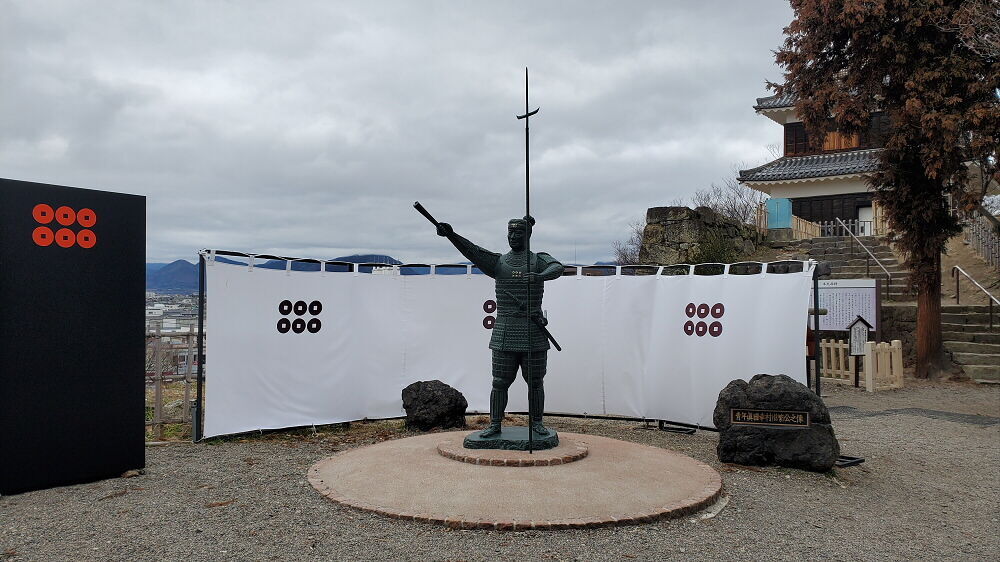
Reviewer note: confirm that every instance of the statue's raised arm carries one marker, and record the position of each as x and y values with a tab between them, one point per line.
482	258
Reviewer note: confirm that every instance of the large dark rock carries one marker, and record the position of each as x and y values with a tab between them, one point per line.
431	404
812	448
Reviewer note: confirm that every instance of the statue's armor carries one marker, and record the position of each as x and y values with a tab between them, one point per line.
510	333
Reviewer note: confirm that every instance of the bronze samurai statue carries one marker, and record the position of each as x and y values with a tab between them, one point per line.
519	276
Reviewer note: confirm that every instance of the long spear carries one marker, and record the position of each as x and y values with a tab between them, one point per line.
527	255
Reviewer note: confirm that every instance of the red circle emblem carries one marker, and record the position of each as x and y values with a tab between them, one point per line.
43	235
689	327
700	328
86	238
65	215
43	214
690	310
87	218
718	309
65	237
702	310
715	329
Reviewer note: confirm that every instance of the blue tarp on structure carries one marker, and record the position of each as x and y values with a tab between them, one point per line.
779	213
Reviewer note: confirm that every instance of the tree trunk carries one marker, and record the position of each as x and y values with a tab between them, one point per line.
930	357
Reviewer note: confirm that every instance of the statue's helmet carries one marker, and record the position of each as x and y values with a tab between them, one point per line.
525	223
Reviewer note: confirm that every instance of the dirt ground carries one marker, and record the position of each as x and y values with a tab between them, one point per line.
928	490
961	397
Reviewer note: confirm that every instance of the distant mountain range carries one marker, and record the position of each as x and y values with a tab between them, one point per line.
181	276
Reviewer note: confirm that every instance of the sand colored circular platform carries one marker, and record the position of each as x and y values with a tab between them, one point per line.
567	451
617	482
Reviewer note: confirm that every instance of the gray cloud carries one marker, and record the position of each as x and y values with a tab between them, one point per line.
309	128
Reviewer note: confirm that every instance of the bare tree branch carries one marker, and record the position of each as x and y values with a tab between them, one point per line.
732	199
627	251
977	25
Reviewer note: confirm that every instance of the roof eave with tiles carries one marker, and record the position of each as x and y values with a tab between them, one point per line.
814	167
774	103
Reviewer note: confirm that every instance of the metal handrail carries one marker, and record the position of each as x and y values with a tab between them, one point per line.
955	270
888	275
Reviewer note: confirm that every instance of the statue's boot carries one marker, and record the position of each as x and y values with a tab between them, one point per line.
498	405
536	402
492	431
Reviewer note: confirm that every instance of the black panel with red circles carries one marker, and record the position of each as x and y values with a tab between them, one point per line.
72	291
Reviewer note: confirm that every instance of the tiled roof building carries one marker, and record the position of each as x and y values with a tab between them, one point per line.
818	180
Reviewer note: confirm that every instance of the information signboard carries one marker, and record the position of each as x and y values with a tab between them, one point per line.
858	336
847	299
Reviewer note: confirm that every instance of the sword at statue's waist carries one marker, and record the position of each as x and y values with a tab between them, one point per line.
537	319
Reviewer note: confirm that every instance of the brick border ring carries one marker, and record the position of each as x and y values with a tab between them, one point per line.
616	483
568	451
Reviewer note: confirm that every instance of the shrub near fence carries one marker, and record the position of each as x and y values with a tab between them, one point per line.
882	368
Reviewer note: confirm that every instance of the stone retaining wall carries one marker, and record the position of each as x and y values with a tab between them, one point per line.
899	322
676	235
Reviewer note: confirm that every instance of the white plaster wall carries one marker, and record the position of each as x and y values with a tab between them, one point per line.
781	116
816	188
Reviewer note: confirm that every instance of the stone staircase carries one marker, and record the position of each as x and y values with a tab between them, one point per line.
849	261
967	336
966	333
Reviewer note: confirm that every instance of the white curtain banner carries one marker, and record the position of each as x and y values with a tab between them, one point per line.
299	348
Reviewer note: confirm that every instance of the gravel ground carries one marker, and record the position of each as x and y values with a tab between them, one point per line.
930	489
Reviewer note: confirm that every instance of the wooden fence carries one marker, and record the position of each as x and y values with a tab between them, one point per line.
881	369
171	379
803	229
760	220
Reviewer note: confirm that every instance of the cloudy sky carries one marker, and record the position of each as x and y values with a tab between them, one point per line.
308	128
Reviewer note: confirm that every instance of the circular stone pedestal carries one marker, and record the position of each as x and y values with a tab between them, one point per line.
616	482
567	451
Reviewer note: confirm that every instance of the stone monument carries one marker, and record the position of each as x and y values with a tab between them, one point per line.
774	420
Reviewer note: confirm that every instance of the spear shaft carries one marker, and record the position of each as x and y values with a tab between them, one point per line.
527	255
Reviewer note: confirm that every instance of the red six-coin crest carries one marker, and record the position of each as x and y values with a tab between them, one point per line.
63	216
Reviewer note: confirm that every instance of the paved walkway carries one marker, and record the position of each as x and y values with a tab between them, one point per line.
617	482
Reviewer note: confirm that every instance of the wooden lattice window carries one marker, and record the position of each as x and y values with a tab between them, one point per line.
796	140
878	128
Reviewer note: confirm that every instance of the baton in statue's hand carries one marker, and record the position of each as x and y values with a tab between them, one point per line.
443	228
420	209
